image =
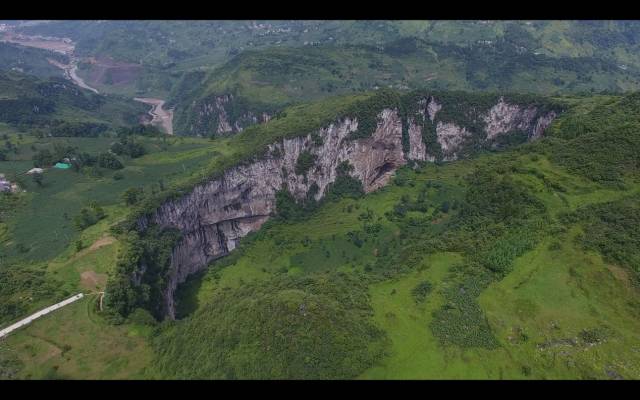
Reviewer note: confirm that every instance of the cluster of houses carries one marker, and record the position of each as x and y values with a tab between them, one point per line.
7	186
12	187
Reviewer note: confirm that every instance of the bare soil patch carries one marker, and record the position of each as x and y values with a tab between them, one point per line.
104	241
106	71
93	281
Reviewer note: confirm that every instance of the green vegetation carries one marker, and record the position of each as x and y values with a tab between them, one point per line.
613	230
602	151
76	342
29	60
421	291
88	216
41	220
270	79
289	328
55	107
305	161
438	268
20	286
131	196
516	264
152	251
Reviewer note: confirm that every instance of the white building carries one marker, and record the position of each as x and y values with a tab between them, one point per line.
35	171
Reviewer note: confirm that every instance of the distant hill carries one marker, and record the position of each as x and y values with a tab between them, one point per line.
29	60
255	85
31	103
246	65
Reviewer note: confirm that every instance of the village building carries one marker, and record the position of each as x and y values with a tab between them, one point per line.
35	171
7	186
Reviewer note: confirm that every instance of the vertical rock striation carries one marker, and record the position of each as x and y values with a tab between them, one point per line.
214	115
214	216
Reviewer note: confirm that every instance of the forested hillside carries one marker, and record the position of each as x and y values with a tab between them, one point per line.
29	61
517	259
57	107
238	73
256	83
340	200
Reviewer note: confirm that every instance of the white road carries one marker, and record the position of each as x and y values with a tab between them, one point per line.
73	67
160	116
39	314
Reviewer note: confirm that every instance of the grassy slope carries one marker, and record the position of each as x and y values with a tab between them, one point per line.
76	342
65	191
567	288
70	103
271	78
169	48
32	61
549	296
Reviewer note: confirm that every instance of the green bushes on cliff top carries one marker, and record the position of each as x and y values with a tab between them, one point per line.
315	327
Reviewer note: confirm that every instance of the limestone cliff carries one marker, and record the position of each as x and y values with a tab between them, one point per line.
214	216
220	115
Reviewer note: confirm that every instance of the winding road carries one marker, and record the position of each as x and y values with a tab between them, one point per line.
159	116
32	317
70	73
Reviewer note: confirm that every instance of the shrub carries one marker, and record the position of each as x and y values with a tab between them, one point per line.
314	327
421	291
305	161
88	216
108	160
132	196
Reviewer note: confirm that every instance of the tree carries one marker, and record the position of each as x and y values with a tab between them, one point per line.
37	178
304	163
43	158
89	215
108	160
132	196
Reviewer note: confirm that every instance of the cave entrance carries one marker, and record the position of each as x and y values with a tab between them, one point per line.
382	170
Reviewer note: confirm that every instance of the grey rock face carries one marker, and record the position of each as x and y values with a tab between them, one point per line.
417	148
214	216
542	124
433	107
504	117
451	138
217	109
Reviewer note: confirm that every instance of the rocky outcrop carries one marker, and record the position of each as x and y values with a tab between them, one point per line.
541	125
213	116
451	137
214	216
504	117
432	108
417	148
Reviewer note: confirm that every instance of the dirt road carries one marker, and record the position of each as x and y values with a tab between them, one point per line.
70	73
160	116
